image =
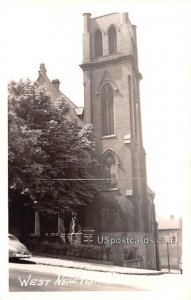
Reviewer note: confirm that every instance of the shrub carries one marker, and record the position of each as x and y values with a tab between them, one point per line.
84	251
73	250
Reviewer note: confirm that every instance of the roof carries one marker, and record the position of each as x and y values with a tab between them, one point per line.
169	223
52	87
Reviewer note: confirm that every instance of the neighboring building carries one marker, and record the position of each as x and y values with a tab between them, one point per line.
112	105
171	231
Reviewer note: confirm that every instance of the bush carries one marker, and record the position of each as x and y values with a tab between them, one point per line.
84	251
73	250
32	244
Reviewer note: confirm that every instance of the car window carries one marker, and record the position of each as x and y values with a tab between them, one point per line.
13	238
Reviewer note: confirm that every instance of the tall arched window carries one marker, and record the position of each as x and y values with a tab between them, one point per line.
107	109
111	213
108	166
112	40
98	44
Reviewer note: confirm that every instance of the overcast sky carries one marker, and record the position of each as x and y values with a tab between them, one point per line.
50	32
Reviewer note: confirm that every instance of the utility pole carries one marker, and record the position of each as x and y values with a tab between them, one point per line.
168	258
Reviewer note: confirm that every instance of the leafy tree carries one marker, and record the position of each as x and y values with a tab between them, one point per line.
48	152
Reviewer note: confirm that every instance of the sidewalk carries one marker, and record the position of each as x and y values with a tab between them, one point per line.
91	266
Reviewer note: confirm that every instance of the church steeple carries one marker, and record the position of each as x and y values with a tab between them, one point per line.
110	54
112	105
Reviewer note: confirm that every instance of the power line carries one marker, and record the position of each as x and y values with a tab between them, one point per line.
86	179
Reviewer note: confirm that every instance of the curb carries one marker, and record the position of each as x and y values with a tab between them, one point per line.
101	268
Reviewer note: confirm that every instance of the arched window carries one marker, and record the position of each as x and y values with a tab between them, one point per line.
111	214
112	40
108	166
107	110
98	44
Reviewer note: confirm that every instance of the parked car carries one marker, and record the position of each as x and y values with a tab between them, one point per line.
17	249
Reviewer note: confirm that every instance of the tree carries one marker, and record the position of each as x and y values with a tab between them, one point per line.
48	152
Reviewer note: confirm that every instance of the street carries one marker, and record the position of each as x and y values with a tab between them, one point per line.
32	277
29	276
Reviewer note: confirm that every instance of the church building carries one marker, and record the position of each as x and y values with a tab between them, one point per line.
112	105
111	80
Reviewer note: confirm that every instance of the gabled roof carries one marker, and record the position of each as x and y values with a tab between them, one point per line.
171	223
52	88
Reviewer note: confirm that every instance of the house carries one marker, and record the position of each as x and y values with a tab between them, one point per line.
170	247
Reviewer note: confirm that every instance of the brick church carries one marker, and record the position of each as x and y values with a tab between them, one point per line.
112	104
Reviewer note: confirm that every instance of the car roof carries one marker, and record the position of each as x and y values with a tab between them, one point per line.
12	235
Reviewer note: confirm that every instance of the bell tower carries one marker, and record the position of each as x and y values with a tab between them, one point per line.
112	105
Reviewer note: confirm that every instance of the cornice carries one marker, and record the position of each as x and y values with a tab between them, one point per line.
93	64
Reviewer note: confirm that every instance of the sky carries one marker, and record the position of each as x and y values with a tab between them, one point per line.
50	32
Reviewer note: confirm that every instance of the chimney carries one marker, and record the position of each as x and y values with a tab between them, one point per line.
56	83
42	69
